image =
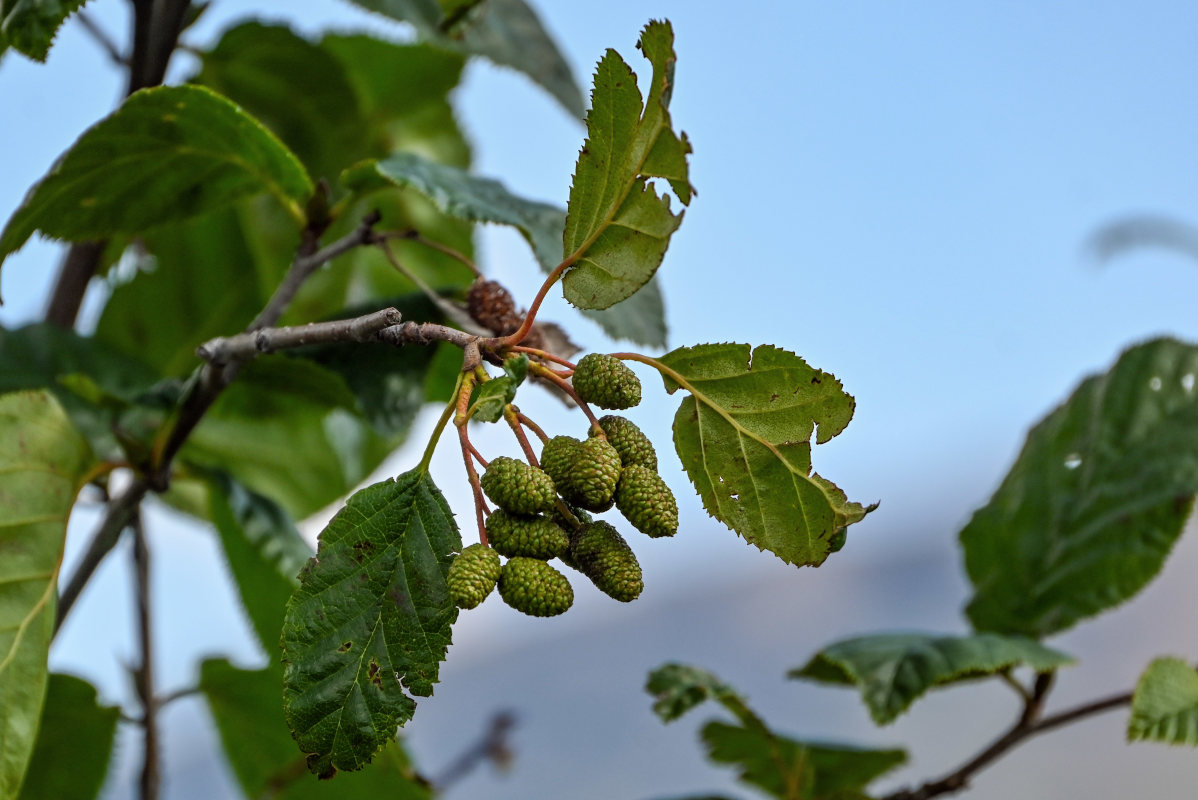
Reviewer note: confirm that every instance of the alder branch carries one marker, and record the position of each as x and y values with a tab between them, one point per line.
151	779
101	37
1030	724
493	746
246	346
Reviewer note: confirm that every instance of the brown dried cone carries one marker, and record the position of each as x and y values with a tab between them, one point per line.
646	502
492	306
600	553
532	537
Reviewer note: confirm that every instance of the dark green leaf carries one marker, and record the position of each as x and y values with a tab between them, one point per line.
264	551
795	770
75	730
677	688
1095	500
516	368
262	753
166	154
1165	705
617	227
744	439
893	670
370	623
507	32
42	463
29	26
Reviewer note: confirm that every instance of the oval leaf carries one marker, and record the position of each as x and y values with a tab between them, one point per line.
370	622
42	462
743	437
166	154
617	227
1095	500
893	670
75	730
1165	705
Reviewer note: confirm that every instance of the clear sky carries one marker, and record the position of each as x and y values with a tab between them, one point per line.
898	192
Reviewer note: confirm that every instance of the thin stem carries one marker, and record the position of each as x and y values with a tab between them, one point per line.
532	351
450	407
414	236
150	782
532	426
480	504
477	455
518	335
1018	687
509	414
565	386
493	746
101	37
455	313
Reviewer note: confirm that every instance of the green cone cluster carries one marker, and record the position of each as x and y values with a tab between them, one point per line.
606	382
472	575
632	445
534	587
531	537
646	502
557	458
517	487
600	552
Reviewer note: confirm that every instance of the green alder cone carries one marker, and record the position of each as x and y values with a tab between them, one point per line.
591	482
517	487
531	537
557	456
606	382
645	501
630	442
601	554
472	575
534	588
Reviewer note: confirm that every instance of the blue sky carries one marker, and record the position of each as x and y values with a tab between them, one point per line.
900	193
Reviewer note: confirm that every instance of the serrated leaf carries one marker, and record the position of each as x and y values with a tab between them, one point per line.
264	551
42	463
29	26
677	688
508	32
370	623
744	435
794	770
1165	705
249	719
1095	500
75	730
617	227
167	154
477	199
894	670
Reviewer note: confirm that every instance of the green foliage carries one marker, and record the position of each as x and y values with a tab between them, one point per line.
75	730
489	399
617	227
1165	705
677	688
894	670
43	460
29	26
744	439
1095	500
167	154
370	622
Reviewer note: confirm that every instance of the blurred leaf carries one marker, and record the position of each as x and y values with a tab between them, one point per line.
245	704
507	32
29	26
165	155
1165	705
43	460
1116	238
677	688
744	439
893	670
370	623
264	551
617	227
76	731
1095	500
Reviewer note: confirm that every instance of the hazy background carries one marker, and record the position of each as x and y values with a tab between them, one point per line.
900	193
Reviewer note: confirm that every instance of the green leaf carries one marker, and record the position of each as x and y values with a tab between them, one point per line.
743	437
895	669
507	32
245	704
617	227
42	463
30	26
370	623
794	770
516	368
75	730
677	688
1095	500
1165	705
488	400
264	551
166	154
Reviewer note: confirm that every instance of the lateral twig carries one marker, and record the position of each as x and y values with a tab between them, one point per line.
247	345
493	746
150	782
102	38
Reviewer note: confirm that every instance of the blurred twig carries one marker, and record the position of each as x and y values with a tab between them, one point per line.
493	746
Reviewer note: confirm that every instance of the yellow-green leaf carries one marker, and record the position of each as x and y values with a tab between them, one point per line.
1165	705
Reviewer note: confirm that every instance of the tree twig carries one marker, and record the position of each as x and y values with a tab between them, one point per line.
248	345
493	746
150	782
101	37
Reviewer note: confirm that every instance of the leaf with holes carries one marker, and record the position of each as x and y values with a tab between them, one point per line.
893	670
744	435
370	622
1165	705
1095	500
43	460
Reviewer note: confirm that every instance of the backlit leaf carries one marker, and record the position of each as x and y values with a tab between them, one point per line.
75	730
1165	705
